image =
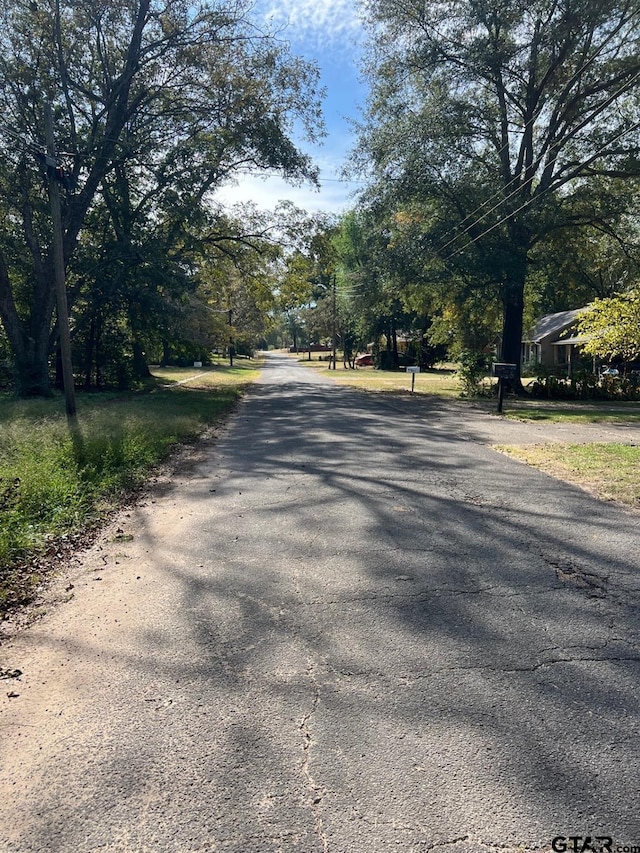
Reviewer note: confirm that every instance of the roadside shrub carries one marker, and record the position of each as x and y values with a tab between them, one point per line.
554	384
473	367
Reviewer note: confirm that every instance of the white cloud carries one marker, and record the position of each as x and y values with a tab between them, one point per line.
317	20
265	193
328	31
334	196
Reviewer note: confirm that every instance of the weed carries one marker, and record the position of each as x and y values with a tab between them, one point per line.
57	480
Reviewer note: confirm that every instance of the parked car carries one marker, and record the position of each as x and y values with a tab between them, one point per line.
365	360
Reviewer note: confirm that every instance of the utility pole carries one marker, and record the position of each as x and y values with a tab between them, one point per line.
333	312
58	260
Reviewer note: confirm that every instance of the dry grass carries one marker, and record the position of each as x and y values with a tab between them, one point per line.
244	370
442	382
609	471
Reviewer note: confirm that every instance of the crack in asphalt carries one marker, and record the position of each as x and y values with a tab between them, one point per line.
490	846
423	594
415	676
568	571
449	842
317	790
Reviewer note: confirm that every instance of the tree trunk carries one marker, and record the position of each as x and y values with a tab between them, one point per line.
140	366
394	344
88	354
59	382
513	305
32	370
98	352
29	340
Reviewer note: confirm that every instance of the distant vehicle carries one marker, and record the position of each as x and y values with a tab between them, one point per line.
365	360
611	371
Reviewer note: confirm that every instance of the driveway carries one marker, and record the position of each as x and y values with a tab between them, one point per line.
349	627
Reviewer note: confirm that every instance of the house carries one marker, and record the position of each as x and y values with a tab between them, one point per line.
553	341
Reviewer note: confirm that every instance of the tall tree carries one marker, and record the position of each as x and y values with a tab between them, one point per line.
154	102
510	114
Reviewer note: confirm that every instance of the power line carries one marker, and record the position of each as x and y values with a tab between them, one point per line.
535	198
517	178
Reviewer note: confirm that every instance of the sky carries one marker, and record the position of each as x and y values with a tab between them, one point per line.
329	33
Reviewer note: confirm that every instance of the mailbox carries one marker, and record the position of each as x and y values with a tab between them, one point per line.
504	370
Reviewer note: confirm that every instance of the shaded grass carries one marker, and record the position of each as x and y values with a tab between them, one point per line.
56	482
610	471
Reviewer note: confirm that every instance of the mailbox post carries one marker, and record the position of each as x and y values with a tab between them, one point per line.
413	371
504	371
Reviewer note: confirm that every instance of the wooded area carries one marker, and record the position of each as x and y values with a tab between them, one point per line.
155	105
500	146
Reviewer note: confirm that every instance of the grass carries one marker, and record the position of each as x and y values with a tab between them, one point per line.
572	411
610	471
56	482
219	375
441	382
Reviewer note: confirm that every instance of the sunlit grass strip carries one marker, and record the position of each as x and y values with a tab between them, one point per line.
242	372
574	412
55	481
610	471
439	382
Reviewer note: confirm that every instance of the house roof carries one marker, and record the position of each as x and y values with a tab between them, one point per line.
575	341
553	324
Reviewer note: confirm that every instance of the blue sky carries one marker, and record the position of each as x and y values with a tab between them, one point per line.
329	33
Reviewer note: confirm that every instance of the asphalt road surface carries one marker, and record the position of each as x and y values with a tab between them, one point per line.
350	627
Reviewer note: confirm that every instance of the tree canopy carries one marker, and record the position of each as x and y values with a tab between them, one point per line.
498	124
155	105
612	327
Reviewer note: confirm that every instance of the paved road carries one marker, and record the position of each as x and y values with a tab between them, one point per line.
352	627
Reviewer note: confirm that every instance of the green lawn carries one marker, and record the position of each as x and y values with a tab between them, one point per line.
610	471
56	481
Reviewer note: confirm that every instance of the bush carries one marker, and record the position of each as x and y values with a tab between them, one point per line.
553	383
473	367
